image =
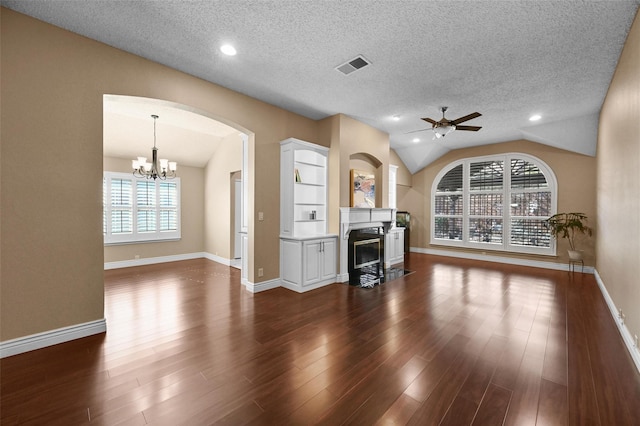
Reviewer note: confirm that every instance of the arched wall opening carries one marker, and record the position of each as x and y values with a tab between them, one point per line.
209	151
361	165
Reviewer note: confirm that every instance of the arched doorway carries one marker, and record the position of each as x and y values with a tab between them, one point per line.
203	145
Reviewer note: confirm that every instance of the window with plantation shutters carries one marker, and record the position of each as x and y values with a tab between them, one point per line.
168	206
448	205
494	203
139	210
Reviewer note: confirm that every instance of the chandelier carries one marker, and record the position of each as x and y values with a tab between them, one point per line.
164	169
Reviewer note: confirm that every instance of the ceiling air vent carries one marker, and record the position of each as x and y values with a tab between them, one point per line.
353	65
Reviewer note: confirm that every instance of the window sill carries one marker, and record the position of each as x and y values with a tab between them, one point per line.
122	243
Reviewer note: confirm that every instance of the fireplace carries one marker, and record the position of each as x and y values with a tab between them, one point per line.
366	255
367	228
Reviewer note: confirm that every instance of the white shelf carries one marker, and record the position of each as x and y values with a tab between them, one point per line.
303	188
309	184
308	164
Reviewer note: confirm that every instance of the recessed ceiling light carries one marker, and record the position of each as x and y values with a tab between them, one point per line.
396	118
535	117
227	49
416	140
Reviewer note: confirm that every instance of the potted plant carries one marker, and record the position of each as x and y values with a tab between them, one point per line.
569	226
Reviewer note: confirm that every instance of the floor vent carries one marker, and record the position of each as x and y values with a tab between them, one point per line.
353	65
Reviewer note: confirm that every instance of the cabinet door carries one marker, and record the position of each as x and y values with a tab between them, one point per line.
329	258
399	250
312	258
390	247
394	248
291	261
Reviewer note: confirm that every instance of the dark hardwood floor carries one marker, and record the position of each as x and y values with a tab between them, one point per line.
455	343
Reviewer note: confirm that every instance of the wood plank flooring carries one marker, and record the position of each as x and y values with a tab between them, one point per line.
455	343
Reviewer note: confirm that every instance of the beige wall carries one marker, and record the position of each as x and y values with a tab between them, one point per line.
329	136
218	223
53	82
192	210
359	138
618	244
575	173
353	144
403	176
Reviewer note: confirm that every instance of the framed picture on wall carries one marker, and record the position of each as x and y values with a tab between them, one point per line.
363	189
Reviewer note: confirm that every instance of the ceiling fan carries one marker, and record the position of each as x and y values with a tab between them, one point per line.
443	127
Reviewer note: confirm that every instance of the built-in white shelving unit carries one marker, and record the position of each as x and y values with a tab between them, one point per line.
308	255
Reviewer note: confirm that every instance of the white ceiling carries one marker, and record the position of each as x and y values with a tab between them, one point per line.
183	136
505	59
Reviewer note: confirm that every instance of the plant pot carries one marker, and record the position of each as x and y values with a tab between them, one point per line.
575	254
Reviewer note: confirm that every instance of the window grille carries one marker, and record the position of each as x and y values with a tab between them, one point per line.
469	204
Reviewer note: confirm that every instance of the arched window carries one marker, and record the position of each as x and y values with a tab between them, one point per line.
476	204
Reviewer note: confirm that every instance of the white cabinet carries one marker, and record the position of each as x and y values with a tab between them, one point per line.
308	255
306	264
394	247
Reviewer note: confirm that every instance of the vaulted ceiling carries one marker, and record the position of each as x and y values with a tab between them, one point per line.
505	59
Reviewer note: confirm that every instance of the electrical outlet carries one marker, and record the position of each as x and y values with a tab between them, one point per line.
261	216
622	318
619	312
137	256
260	272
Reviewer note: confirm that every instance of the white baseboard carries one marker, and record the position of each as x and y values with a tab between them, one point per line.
165	259
299	289
501	259
152	260
624	331
262	286
218	259
50	338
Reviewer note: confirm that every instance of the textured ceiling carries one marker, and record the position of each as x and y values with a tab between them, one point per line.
505	59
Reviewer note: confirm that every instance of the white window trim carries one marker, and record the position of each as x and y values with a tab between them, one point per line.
506	217
140	237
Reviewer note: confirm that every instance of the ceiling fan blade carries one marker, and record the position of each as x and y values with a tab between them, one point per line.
466	118
416	131
430	120
470	128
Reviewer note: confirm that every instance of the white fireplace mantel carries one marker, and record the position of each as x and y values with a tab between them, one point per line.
359	218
